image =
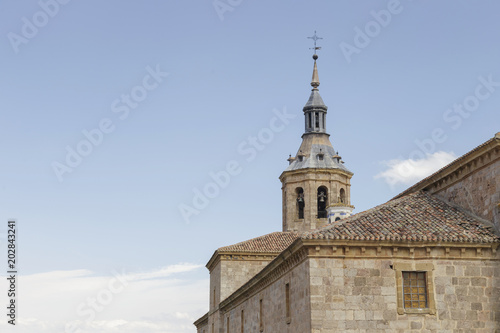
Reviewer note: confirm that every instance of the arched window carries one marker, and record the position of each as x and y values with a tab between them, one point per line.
342	196
300	202
322	201
337	219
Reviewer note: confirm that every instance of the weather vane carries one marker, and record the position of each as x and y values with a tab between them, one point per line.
315	38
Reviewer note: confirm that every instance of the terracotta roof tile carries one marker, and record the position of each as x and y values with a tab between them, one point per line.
273	242
414	217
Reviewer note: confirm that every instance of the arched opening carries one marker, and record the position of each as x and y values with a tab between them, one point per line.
300	202
342	196
322	202
337	219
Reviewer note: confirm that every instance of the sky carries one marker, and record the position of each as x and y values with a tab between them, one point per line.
139	136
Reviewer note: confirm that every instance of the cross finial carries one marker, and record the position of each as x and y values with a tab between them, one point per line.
315	38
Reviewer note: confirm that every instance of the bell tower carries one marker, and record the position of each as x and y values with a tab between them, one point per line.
316	185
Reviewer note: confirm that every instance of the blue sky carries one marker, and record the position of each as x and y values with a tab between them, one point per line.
173	92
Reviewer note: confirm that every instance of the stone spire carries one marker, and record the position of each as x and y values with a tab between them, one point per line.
315	109
315	79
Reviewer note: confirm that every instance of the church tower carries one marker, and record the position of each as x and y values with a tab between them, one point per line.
316	185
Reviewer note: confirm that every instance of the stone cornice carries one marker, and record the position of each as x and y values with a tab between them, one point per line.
314	171
340	204
301	249
478	158
202	321
401	250
238	256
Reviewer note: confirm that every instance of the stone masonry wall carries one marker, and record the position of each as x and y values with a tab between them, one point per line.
274	306
236	273
225	278
479	193
360	295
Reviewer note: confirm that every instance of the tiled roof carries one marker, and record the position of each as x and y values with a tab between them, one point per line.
414	217
273	242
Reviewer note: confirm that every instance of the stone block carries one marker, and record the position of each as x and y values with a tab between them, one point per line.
478	281
415	325
472	271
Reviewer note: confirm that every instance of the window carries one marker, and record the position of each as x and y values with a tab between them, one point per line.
213	329
309	124
316	119
261	313
227	324
287	303
342	196
324	123
300	202
322	202
415	289
242	320
213	299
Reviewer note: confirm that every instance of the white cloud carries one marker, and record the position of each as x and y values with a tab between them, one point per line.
410	171
164	300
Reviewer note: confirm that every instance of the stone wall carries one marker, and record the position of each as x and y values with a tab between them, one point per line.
235	273
360	295
274	306
479	193
226	277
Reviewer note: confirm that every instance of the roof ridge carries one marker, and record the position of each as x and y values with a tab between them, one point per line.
276	240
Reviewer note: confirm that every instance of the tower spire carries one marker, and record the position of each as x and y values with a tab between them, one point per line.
315	78
316	183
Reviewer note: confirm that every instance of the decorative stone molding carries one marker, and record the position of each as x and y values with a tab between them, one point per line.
238	256
393	250
203	321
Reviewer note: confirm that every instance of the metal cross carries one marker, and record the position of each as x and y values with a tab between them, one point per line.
315	38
